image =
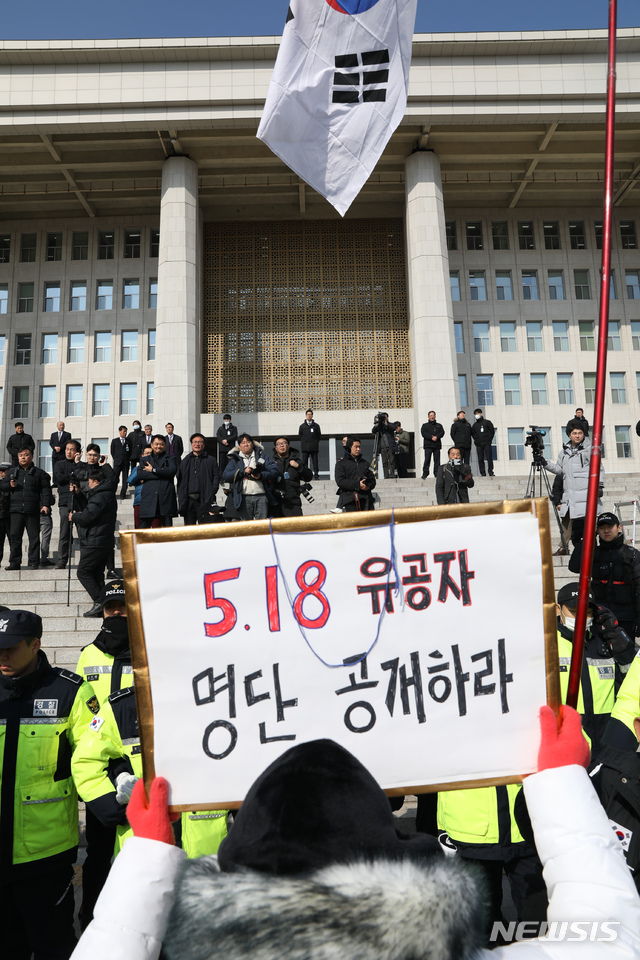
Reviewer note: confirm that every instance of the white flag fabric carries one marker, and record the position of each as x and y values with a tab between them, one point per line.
338	90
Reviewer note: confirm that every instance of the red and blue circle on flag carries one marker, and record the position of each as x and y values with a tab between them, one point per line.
352	6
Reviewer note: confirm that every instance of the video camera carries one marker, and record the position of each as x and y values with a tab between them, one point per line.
380	416
535	441
305	490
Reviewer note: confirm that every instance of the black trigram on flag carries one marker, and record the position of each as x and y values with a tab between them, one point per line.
363	85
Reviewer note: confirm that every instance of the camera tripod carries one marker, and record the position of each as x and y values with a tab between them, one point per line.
538	472
377	437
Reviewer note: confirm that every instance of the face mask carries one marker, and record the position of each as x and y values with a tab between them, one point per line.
136	426
477	415
457	462
570	623
115	633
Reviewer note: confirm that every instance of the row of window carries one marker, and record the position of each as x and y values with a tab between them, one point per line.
73	401
131	247
539	389
552	235
535	336
52	296
530	288
129	347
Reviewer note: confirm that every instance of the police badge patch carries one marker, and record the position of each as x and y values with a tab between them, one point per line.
93	704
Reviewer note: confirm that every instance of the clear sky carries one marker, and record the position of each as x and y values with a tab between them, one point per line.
72	19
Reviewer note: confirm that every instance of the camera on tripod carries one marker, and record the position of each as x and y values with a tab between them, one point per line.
305	490
535	441
380	417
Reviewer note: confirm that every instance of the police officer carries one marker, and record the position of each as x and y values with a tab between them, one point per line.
43	713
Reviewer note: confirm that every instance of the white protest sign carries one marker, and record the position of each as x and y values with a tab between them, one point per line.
420	647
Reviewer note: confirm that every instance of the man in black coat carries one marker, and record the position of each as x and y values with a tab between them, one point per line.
309	434
461	435
226	434
173	443
432	434
355	478
96	525
121	456
386	443
483	432
18	442
157	473
58	442
136	442
198	480
63	474
454	479
29	490
579	421
292	473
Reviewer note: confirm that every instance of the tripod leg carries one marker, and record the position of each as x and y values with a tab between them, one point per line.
564	543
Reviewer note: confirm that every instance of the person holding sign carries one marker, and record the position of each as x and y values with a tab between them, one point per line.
355	478
454	479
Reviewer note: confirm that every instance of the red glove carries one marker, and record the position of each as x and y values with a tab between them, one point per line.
562	742
151	820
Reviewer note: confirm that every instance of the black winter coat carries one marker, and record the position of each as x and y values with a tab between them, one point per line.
453	483
289	489
32	493
97	522
348	474
615	577
18	442
482	432
158	490
432	429
178	446
62	476
137	442
203	472
230	434
309	435
617	783
234	474
387	432
580	422
461	434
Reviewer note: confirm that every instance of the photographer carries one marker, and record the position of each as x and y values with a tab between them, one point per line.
454	479
355	479
63	474
249	471
292	474
386	432
94	459
573	466
29	490
96	525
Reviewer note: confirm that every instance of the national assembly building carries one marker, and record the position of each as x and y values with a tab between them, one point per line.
158	262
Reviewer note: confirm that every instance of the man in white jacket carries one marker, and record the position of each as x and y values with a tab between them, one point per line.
269	904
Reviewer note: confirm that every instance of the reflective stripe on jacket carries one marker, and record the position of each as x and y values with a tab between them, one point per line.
105	673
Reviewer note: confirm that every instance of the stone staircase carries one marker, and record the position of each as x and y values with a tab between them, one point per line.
66	630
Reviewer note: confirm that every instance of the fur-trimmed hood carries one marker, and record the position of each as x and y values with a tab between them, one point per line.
382	910
257	446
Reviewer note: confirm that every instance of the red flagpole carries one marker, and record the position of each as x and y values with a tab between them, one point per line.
601	372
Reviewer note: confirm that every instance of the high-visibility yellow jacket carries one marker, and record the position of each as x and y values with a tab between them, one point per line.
105	673
596	695
481	816
620	732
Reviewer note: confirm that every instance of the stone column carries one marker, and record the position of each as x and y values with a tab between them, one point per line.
178	378
434	369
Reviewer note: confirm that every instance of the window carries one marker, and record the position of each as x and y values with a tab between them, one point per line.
129	345
512	389
529	284
623	442
612	286
101	399
515	439
613	340
28	243
477	285
128	399
131	244
74	400
628	235
50	348
458	335
3	342
454	283
485	389
638	385
539	389
587	340
23	349
103	347
54	246
504	290
44	455
556	285
80	245
47	402
462	389
104	296
526	238
150	391
508	336
474	235
131	297
78	296
618	389
597	226
25	298
632	280
635	334
534	336
582	285
5	247
102	442
154	243
52	297
500	235
589	387
153	294
452	235
106	245
481	343
76	348
551	232
548	450
4	297
20	403
565	388
577	236
151	349
560	335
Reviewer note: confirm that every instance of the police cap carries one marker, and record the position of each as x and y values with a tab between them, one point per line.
568	595
113	590
17	624
608	519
